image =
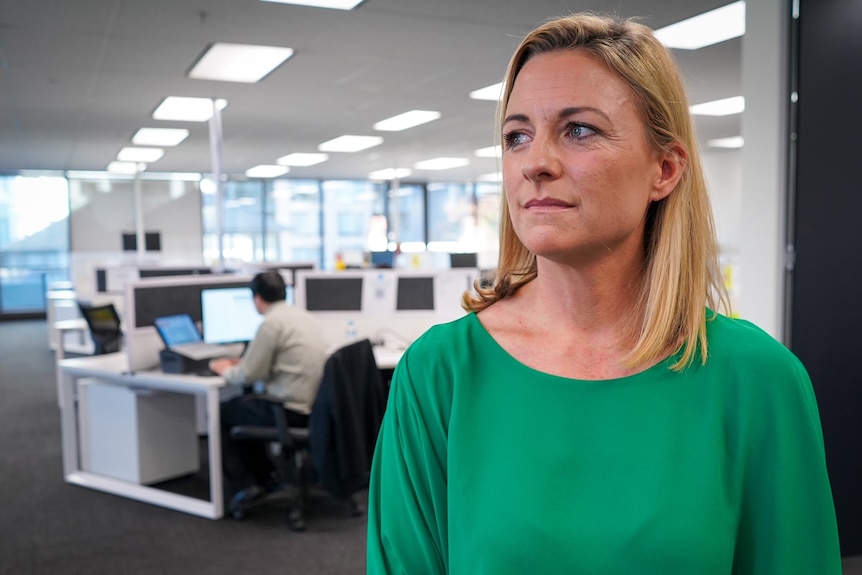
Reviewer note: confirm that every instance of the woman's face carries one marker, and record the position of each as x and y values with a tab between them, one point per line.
578	171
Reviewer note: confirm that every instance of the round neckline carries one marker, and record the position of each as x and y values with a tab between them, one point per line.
661	365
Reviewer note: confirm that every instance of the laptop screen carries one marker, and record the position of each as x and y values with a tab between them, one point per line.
177	329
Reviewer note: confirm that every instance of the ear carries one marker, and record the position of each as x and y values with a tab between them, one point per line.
672	165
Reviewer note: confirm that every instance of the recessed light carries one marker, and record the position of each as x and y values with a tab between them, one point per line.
406	120
441	163
266	171
495	177
705	29
140	154
334	4
493	92
302	159
183	109
723	107
390	174
125	167
159	136
246	63
489	152
350	143
731	142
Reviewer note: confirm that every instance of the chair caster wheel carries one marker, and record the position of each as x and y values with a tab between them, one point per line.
295	521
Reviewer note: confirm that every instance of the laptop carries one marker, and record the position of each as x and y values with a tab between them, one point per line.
180	334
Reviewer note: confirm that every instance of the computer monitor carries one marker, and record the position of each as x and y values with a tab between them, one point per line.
229	315
333	293
463	260
382	259
414	293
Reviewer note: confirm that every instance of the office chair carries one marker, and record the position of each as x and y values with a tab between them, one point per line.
104	324
334	452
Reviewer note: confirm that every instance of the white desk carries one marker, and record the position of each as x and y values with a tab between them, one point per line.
111	368
387	357
61	328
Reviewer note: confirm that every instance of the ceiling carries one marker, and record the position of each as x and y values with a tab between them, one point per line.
79	78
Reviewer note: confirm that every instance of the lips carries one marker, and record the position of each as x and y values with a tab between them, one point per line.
546	203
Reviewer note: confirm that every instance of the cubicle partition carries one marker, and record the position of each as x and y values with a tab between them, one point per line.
389	306
147	299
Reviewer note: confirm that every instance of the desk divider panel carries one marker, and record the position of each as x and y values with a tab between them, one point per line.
395	306
147	299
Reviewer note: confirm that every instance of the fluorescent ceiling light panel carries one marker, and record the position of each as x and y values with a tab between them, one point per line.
732	142
140	154
350	143
723	107
441	164
705	29
334	4
390	174
125	167
159	136
406	120
493	92
266	171
182	109
246	63
302	159
495	177
489	152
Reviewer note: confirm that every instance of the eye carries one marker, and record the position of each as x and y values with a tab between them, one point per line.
577	131
514	139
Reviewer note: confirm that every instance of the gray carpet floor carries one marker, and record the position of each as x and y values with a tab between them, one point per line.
50	527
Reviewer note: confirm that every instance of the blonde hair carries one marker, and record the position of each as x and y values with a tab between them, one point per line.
681	275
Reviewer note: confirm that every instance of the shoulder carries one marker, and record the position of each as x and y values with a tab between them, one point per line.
738	340
432	363
445	341
758	370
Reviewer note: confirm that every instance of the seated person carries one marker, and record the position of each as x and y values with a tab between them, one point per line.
287	355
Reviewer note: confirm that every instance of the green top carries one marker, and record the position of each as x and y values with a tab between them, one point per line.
486	466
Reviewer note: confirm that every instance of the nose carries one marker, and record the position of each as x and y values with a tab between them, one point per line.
541	160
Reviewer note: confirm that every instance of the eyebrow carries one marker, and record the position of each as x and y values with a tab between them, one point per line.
564	113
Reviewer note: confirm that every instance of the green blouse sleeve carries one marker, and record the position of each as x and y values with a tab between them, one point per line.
407	527
787	518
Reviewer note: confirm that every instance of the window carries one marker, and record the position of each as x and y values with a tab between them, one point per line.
451	218
34	240
348	207
293	221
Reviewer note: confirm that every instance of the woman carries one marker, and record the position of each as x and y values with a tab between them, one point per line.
593	414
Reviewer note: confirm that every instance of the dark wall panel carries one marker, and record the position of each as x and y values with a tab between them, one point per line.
826	315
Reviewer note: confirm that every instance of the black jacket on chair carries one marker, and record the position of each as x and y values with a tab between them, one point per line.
346	418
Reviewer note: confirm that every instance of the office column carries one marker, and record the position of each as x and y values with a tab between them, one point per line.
215	133
765	63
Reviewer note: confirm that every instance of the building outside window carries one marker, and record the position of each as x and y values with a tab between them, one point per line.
34	240
348	210
293	221
242	221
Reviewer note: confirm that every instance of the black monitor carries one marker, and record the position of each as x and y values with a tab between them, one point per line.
414	293
229	315
104	325
382	259
464	260
333	294
152	242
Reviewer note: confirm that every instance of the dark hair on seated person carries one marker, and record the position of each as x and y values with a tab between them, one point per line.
269	286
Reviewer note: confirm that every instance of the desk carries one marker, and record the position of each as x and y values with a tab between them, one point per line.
111	368
386	357
61	328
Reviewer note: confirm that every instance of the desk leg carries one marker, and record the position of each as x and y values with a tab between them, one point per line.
59	355
68	422
214	442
